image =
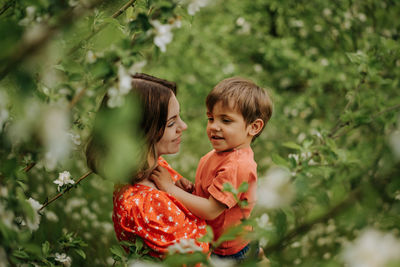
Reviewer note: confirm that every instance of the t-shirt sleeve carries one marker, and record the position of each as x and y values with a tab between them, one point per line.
227	174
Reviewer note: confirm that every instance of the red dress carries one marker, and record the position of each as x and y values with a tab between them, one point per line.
155	216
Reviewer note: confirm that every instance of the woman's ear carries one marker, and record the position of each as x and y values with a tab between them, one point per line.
255	127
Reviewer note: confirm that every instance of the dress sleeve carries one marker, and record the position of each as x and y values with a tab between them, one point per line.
227	174
160	222
174	174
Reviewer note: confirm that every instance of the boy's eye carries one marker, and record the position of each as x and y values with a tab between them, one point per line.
226	121
210	119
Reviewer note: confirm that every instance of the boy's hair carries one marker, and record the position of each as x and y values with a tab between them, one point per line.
252	101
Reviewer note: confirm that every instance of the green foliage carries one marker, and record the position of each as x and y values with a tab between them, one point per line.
331	68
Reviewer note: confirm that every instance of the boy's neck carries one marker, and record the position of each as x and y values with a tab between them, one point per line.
235	148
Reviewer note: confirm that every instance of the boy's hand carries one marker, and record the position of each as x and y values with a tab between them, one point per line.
161	177
185	184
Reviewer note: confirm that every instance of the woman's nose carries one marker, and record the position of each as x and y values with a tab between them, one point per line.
182	125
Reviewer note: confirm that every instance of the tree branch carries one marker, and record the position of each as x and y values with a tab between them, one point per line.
373	117
340	124
6	6
122	9
115	15
29	47
342	206
65	191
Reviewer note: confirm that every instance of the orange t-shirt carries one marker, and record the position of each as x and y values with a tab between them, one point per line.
235	167
155	216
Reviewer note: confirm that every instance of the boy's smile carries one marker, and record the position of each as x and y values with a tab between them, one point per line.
227	128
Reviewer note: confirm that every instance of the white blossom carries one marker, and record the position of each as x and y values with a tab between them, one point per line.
327	12
244	26
195	6
35	33
73	3
55	123
228	69
137	67
372	248
4	114
184	246
324	62
51	216
30	16
64	178
297	23
75	138
7	216
397	195
394	140
137	263
33	223
90	57
64	259
124	81
275	190
257	68
115	99
263	221
163	34
218	262
3	258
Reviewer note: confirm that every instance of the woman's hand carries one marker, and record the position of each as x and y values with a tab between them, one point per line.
185	184
163	180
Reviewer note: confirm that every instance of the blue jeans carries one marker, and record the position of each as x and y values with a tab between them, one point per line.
239	256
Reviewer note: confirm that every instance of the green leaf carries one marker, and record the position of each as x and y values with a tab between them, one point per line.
118	251
357	58
278	160
45	248
20	254
81	253
209	236
138	244
292	145
281	223
100	68
243	187
228	187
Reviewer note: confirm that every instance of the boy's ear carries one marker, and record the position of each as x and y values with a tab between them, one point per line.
256	126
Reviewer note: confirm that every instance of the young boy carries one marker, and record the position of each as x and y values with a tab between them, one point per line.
238	111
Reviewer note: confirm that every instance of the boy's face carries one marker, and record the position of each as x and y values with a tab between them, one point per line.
227	128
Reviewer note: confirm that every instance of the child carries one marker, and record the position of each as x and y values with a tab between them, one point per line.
238	111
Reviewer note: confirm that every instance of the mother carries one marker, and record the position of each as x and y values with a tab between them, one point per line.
140	209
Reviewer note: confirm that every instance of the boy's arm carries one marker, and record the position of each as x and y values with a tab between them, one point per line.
207	209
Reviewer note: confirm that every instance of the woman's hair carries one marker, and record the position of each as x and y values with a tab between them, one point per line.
153	95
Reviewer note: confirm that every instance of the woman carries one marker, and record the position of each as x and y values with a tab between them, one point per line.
140	209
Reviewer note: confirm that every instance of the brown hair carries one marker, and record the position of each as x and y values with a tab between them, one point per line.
252	101
154	95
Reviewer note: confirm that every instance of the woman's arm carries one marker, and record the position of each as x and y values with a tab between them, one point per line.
207	209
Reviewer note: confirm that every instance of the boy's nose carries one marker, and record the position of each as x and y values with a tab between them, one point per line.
215	127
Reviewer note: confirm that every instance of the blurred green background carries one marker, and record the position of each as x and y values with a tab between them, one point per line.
331	68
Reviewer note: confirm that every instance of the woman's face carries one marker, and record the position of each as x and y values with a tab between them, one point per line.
171	140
